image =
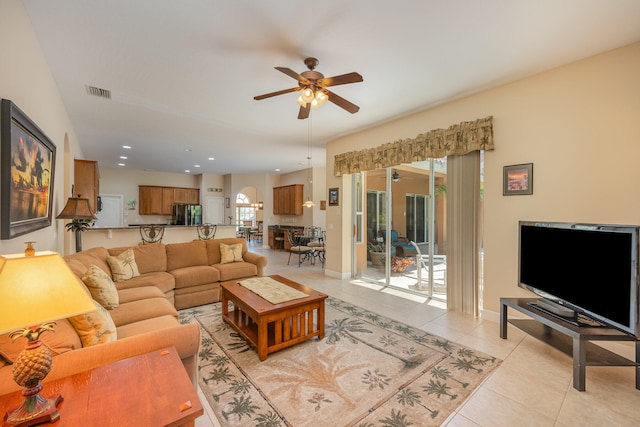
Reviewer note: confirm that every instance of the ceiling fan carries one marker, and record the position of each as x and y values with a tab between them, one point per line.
314	88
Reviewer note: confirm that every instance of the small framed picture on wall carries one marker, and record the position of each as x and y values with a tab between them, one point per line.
333	197
517	179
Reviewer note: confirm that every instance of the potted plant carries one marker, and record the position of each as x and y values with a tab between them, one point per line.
377	253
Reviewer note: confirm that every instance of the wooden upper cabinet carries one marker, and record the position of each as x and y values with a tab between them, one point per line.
287	200
155	200
186	195
167	200
86	181
193	196
150	200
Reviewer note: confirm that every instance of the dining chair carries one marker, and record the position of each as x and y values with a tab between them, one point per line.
319	247
304	252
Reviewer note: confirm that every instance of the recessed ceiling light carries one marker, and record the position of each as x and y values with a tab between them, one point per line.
121	164
126	147
196	166
187	170
124	157
277	170
187	149
211	158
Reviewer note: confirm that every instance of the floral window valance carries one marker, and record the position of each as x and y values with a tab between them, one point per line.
457	139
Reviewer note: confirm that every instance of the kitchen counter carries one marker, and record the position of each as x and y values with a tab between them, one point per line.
130	235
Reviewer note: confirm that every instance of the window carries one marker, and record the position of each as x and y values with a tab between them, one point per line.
244	210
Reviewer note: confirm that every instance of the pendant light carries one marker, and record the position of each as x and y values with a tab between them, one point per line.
309	203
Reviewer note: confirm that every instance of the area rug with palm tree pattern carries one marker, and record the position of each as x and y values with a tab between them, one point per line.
369	370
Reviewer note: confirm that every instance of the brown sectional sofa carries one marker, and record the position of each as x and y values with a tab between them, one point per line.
172	277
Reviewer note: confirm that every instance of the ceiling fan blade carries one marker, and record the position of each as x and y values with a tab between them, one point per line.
280	92
342	103
342	79
304	111
289	72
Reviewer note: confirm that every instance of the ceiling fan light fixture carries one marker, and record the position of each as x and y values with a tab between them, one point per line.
319	99
307	94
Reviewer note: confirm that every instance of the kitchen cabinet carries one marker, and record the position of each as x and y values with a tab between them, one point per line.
86	181
156	200
186	195
167	200
287	200
150	200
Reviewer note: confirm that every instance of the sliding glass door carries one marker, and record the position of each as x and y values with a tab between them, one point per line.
402	210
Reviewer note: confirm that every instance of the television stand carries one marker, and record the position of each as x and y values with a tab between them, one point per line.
571	339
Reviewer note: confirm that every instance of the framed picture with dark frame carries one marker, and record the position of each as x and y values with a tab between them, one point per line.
334	197
517	179
27	168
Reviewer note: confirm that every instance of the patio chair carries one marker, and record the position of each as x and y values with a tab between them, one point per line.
402	245
422	261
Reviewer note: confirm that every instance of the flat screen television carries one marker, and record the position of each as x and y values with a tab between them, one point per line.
583	269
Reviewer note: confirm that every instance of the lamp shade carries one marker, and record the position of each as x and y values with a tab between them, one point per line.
37	289
76	208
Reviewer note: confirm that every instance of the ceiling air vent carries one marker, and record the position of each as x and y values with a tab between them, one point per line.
96	91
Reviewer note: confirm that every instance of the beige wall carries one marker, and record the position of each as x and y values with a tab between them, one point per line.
577	124
25	79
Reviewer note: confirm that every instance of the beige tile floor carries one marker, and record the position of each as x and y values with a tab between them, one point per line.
532	387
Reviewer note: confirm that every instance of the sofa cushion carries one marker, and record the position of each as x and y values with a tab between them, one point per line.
65	338
194	276
236	270
134	311
101	287
180	255
161	280
141	293
147	325
80	262
123	267
95	327
230	253
150	257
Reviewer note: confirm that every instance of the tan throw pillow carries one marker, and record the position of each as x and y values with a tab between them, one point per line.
95	327
123	266
230	253
101	287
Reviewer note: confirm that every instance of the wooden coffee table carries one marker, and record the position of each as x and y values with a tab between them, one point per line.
272	327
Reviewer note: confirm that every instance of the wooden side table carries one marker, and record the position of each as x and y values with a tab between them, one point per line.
148	390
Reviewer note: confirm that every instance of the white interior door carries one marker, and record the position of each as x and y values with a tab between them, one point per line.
111	213
214	210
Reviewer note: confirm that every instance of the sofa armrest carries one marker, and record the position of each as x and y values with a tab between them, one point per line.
185	338
260	261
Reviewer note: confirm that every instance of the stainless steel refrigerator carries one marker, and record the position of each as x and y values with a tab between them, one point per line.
187	214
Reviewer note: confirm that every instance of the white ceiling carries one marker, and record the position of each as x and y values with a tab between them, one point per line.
183	74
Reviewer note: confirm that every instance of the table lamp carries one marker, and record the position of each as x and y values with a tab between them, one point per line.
78	211
36	290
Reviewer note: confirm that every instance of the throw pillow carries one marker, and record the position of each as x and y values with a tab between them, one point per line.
95	327
101	287
123	266
230	253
